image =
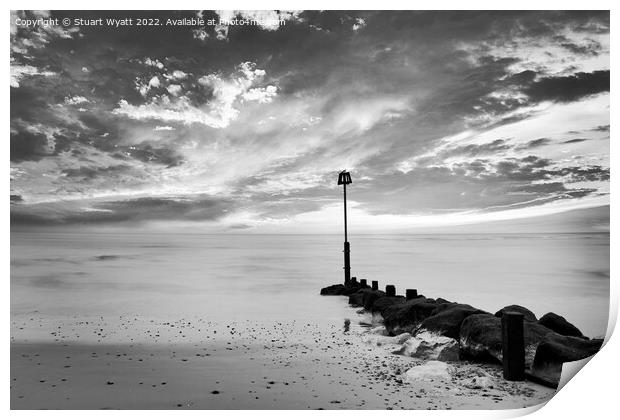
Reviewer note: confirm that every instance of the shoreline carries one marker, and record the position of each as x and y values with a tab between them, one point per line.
282	365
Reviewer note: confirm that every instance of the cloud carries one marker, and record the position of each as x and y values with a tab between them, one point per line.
18	72
359	24
147	153
269	20
532	144
218	111
88	173
602	128
459	101
31	144
588	47
129	210
26	39
75	100
569	88
571	141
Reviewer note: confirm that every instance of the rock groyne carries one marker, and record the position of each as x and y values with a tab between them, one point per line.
470	333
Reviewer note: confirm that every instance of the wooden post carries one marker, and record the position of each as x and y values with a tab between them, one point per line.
375	285
411	294
353	281
363	283
390	290
513	346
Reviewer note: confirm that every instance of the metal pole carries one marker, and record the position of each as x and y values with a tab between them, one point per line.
345	213
347	248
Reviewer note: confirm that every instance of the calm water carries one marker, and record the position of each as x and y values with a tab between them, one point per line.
278	277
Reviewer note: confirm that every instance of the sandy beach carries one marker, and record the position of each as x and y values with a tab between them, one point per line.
136	363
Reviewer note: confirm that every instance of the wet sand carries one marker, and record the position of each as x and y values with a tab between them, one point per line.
137	363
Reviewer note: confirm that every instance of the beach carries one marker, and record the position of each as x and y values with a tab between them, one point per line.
242	365
200	321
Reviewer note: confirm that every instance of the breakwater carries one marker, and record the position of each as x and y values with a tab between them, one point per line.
527	347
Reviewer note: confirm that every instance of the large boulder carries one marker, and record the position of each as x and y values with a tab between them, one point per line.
383	340
384	302
341	289
447	318
533	334
429	346
334	290
357	298
481	337
555	350
369	297
429	371
406	316
528	315
560	325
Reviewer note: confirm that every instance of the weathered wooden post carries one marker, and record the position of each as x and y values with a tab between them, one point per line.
375	285
363	283
353	281
411	294
344	178
513	346
390	290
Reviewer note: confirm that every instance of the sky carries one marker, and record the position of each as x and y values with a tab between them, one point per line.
442	118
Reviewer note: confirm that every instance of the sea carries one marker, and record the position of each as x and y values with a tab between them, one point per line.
271	278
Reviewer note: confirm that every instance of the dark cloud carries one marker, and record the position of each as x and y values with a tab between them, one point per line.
569	88
574	141
480	182
28	146
86	173
532	144
473	150
147	153
125	211
588	47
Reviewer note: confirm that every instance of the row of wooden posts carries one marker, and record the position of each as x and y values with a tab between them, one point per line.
390	290
513	341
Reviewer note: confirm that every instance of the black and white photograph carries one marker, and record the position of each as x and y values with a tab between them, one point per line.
306	209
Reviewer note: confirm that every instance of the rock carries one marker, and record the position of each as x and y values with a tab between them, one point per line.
429	346
429	371
369	297
378	330
442	300
408	315
481	381
560	325
333	290
357	298
555	350
533	334
382	340
340	289
447	318
481	337
528	315
381	304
